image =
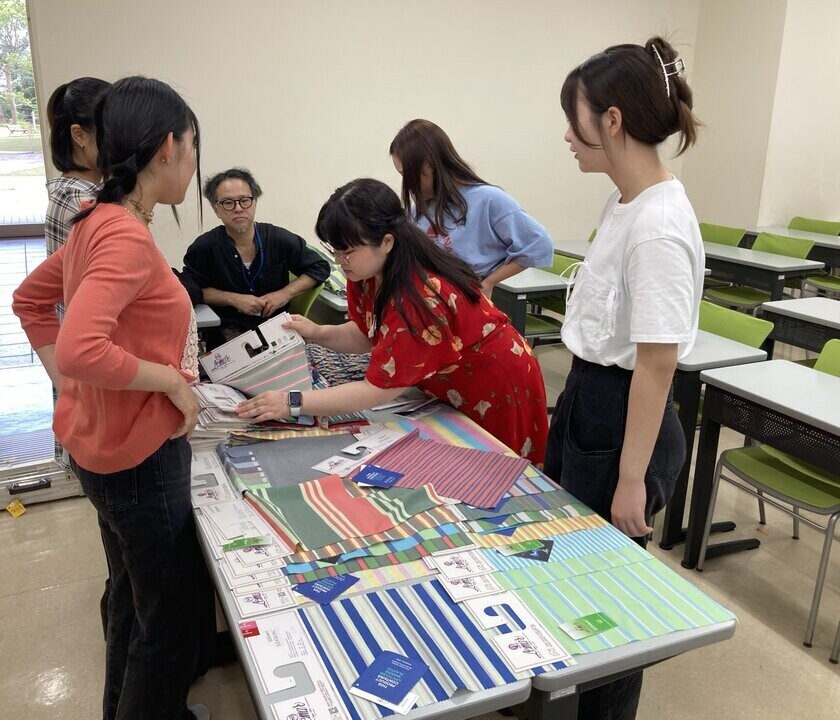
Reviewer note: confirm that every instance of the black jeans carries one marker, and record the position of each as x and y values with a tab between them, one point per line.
146	523
583	454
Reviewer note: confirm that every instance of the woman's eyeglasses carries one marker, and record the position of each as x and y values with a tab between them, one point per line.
230	204
340	256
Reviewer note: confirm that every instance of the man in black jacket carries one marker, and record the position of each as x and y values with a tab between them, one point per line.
241	266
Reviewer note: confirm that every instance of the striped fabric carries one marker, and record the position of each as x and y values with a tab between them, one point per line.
432	521
644	599
527	503
418	621
475	477
539	530
329	509
322	569
288	370
515	520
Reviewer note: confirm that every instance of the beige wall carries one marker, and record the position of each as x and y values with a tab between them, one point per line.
802	175
309	95
734	84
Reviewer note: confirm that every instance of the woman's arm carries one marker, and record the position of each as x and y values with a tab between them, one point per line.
359	395
655	366
346	338
503	272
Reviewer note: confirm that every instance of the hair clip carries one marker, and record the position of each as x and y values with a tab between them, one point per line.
678	68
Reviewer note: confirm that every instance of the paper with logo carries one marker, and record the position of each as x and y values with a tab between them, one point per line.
476	477
375	476
587	625
388	681
457	565
355	455
287	662
521	547
261	602
326	590
530	647
269	358
471	587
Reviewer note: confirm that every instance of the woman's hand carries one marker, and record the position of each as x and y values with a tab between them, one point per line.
183	398
270	405
628	508
305	327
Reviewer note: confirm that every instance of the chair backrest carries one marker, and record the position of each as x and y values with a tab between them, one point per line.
592	235
734	325
827	227
561	263
721	234
829	358
301	304
781	245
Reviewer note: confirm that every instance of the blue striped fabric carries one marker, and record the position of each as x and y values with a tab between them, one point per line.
419	621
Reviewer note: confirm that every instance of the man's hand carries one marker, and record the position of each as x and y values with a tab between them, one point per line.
248	304
274	300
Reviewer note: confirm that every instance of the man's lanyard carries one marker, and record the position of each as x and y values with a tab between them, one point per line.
247	275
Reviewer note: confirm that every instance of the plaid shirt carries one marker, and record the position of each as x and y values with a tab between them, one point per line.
66	194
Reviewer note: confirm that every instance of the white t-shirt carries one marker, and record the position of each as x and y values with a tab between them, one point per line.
641	281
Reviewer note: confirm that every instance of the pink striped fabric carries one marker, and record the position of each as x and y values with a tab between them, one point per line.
475	477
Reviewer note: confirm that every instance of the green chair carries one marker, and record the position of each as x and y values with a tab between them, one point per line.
734	325
543	329
721	234
592	235
788	484
302	304
748	298
826	227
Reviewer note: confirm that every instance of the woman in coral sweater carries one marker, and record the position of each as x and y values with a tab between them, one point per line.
125	409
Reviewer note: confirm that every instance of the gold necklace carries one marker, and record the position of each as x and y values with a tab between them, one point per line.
147	215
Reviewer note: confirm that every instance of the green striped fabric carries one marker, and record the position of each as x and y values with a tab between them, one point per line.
644	599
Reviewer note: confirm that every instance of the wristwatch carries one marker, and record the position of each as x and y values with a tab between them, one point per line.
294	401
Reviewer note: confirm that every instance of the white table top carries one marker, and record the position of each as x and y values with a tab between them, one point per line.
818	310
573	248
534	280
797	391
713	351
206	317
831	241
758	259
336	302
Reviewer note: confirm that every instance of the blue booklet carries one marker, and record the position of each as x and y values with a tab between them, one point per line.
326	589
377	476
388	681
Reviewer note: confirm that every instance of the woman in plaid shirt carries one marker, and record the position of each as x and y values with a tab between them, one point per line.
73	152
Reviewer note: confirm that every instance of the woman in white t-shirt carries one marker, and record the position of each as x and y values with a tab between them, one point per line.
615	441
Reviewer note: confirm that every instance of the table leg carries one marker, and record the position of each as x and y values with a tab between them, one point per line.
513	305
777	288
688	397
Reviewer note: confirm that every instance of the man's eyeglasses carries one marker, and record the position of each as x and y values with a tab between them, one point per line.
340	256
230	203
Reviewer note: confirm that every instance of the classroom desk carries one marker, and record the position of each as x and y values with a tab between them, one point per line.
555	695
826	247
459	707
767	271
786	405
578	248
555	692
709	351
808	323
206	317
512	296
572	248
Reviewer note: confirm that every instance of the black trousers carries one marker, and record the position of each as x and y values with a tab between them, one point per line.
582	455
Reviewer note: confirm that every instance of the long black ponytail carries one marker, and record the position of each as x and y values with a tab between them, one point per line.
133	119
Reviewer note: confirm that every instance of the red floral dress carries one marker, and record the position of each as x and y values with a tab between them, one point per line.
473	359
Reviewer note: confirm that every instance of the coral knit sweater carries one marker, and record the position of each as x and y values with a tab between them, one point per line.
123	303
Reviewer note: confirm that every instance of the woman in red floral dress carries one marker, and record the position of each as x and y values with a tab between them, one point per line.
422	316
